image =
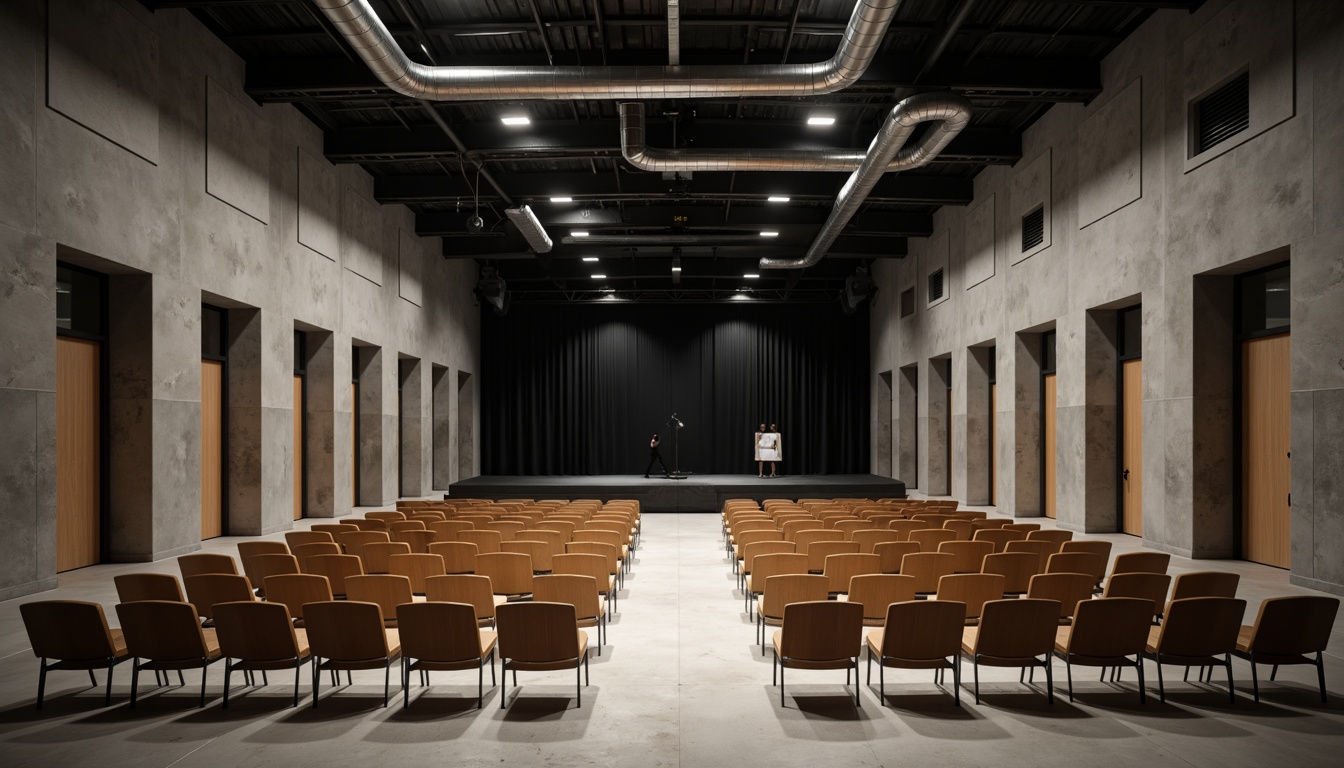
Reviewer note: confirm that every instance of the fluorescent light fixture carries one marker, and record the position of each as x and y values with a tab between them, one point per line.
819	120
768	233
751	276
578	234
423	48
590	258
562	199
676	264
516	120
741	297
608	290
599	277
777	199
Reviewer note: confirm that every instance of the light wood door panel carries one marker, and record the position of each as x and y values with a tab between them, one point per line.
354	445
212	449
1131	477
1048	439
993	444
298	447
1266	477
78	453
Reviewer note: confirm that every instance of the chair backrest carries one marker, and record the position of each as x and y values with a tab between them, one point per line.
751	551
804	539
258	567
999	537
892	552
510	572
376	556
751	537
609	553
871	537
354	543
417	567
579	564
295	590
1055	535
603	537
247	549
555	540
1094	546
458	556
1025	528
253	631
1200	627
579	591
563	527
1205	584
962	528
70	630
335	529
821	630
447	530
905	527
1041	549
923	630
851	527
335	568
158	630
385	516
1078	562
134	587
507	528
1017	628
927	568
743	524
1294	625
970	554
1110	627
345	630
538	551
365	524
791	528
1016	568
973	589
1141	562
299	538
537	632
486	541
839	569
303	552
780	591
206	562
876	591
397	526
438	631
766	566
419	540
1146	586
1068	589
463	588
385	589
818	551
207	589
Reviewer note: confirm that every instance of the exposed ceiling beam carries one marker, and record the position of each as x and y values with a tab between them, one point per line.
786	220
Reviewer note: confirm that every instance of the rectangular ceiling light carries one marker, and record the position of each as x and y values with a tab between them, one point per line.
590	258
676	265
777	199
599	277
769	234
562	199
751	276
819	120
515	120
578	234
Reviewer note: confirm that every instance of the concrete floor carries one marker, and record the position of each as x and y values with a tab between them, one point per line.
681	683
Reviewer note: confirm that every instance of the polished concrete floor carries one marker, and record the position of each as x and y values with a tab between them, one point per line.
680	684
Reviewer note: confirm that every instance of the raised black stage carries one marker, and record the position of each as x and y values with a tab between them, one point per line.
697	493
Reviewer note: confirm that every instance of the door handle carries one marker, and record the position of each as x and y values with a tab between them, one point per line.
1126	476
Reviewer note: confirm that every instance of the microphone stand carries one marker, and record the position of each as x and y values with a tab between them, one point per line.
676	425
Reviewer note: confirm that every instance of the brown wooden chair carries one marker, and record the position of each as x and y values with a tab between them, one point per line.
1286	631
299	538
385	589
353	542
766	566
75	634
295	590
486	541
365	524
793	527
555	540
578	591
458	556
970	554
335	529
1016	568
1013	633
929	539
510	573
963	529
397	526
259	637
1204	584
927	568
1106	633
507	528
1054	536
824	634
536	637
565	528
350	636
782	590
839	569
1024	528
851	527
1078	562
443	636
250	549
539	552
419	540
871	537
377	556
876	591
1041	549
973	589
756	549
1068	589
600	565
999	537
387	517
918	634
208	589
336	568
206	562
1197	631
818	551
416	567
134	587
447	530
1092	546
892	552
1141	562
805	539
166	636
465	588
1145	586
258	567
302	552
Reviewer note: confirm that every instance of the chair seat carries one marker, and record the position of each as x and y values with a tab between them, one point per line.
393	650
211	654
770	621
118	648
1244	636
841	663
874	642
968	638
546	666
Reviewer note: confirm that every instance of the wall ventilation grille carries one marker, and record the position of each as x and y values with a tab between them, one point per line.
935	286
1223	113
1033	229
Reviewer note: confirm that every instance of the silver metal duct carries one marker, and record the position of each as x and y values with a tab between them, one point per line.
657	239
361	27
526	221
887	152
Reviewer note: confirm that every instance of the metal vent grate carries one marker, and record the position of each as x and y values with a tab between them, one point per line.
1033	229
936	286
1223	113
907	302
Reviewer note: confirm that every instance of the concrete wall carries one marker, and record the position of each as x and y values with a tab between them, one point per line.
128	146
1131	218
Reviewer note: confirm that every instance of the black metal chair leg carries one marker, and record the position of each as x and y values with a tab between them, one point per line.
975	668
228	672
93	681
298	666
135	677
1320	677
42	682
956	681
857	703
387	679
480	685
1143	691
1068	670
578	689
182	681
1049	680
405	683
205	669
1255	681
1231	691
317	678
107	699
504	680
1273	672
1161	687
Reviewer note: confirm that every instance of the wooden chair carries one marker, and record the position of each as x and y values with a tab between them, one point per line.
766	566
539	552
205	562
742	540
364	524
892	552
973	589
563	527
1106	633
208	589
458	556
876	591
385	589
851	527
75	634
600	564
335	568
486	541
792	528
1078	562
443	636
258	567
962	528
302	552
536	637
1025	528
506	528
823	634
417	568
354	542
839	569
134	587
818	551
1013	633
465	588
871	537
250	549
905	527
927	568
447	530
1145	586
1285	631
166	636
1141	562
918	634
296	590
299	538
335	529
578	591
1092	546
1197	631
1016	568
1054	536
1041	549
555	540
782	590
510	573
398	526
970	555
805	539
419	540
1068	589
999	537
350	636
377	556
259	637
387	517
1205	584
756	549
989	523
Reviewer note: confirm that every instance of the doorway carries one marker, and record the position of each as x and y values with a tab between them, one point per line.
1264	345
80	413
1129	336
1048	400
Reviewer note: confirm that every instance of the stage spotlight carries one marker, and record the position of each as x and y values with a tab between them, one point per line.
858	286
491	289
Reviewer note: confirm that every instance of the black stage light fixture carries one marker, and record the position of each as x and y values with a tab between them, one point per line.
491	289
858	286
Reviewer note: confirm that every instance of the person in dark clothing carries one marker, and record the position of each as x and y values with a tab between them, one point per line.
654	455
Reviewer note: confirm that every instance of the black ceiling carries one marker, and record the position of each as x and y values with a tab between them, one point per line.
1012	59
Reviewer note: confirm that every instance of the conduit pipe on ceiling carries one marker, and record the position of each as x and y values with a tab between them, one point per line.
949	112
366	33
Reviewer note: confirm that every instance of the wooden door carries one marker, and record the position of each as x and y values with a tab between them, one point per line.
298	447
950	452
1131	437
212	449
354	445
1048	440
78	453
993	444
1266	479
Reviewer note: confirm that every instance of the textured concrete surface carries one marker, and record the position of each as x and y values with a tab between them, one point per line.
680	683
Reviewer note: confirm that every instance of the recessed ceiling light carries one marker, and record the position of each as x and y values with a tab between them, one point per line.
599	277
562	199
515	120
819	120
751	276
578	234
769	234
676	265
777	199
590	258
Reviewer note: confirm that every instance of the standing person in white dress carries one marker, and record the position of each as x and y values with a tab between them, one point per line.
767	449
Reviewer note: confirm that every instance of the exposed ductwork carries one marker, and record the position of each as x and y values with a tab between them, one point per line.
526	221
657	239
674	32
366	33
888	152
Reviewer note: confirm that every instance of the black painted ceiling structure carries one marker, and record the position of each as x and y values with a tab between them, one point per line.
447	161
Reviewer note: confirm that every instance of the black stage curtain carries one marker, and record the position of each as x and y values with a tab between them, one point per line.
579	390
